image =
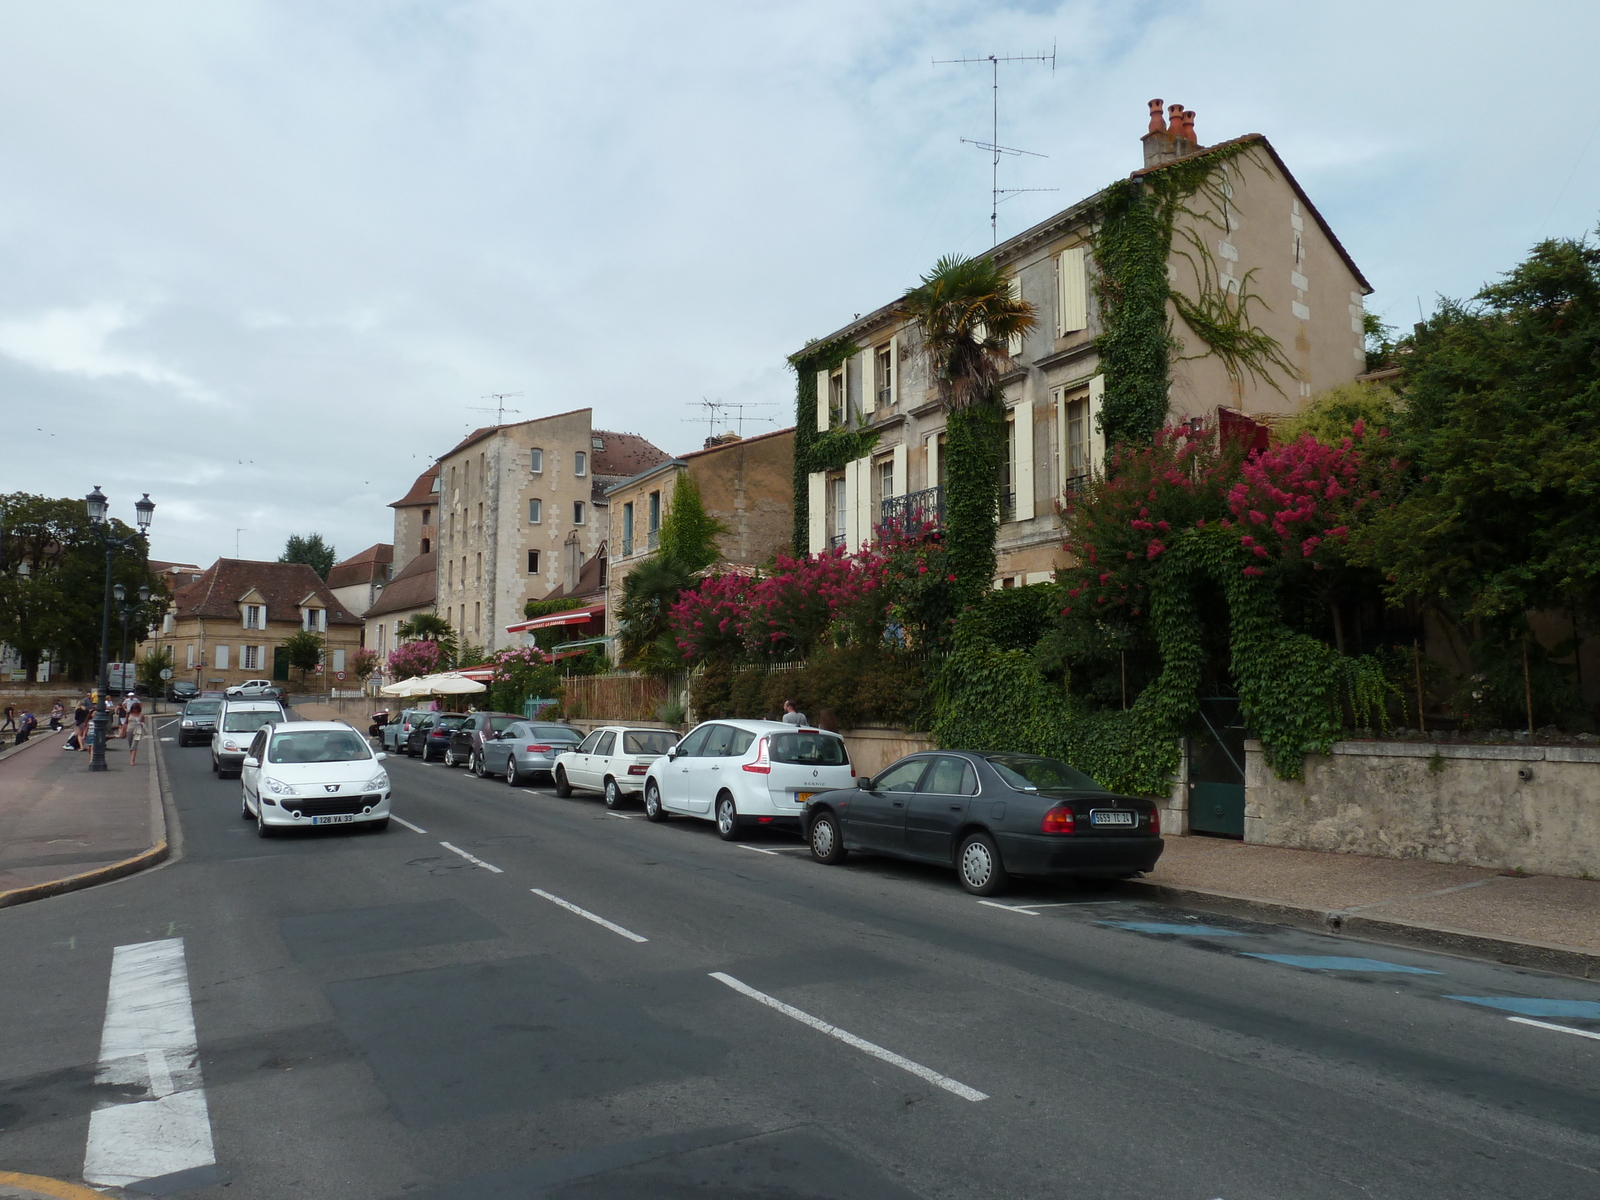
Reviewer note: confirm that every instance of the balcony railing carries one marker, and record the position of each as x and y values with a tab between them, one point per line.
654	541
1008	506
1075	485
836	541
627	547
911	514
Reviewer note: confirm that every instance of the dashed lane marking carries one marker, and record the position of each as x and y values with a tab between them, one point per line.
1335	962
589	916
471	858
409	825
1583	1033
889	1056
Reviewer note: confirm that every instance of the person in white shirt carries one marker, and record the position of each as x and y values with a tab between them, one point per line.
792	714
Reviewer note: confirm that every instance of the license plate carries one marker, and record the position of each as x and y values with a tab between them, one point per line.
802	797
1111	816
339	820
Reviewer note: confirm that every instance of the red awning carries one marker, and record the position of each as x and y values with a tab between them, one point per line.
574	616
484	674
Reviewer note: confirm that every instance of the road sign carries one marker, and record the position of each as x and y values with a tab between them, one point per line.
340	675
166	672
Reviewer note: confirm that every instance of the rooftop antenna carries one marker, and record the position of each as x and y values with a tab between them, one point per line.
716	408
499	410
236	534
993	146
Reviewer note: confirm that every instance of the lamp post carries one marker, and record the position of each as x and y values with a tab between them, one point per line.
101	524
121	593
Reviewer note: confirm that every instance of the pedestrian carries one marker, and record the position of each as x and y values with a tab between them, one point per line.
827	720
135	731
11	718
25	731
792	714
122	717
57	715
80	718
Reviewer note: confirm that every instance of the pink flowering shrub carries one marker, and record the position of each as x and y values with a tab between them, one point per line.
709	622
415	658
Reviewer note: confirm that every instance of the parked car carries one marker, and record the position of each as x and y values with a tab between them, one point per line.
431	736
526	750
466	743
990	816
256	689
199	720
395	733
612	760
310	773
236	729
741	772
182	689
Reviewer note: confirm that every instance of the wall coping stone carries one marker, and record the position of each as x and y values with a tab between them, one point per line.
1458	750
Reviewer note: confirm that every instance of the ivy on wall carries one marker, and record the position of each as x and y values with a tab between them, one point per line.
815	450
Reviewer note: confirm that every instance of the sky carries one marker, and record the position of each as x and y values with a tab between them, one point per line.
265	260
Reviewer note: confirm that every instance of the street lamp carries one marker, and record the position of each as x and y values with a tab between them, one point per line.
98	505
121	593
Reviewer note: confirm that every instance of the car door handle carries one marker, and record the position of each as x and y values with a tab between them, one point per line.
899	803
957	807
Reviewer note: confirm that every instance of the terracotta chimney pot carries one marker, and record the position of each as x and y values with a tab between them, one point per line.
1157	124
1175	119
1188	126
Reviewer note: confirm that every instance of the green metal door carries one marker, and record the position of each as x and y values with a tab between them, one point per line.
1216	769
280	664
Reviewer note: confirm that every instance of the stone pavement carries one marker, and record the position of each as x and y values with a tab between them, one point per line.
59	820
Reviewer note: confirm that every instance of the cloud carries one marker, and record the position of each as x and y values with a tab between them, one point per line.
75	341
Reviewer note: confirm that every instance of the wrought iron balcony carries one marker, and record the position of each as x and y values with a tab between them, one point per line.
1075	485
627	547
654	540
836	541
1008	506
911	514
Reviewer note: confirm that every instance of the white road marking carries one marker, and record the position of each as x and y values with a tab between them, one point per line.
850	1039
1583	1033
169	739
757	849
1027	912
475	861
620	816
149	1041
409	825
587	915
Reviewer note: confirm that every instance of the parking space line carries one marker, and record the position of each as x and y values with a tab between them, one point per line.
757	849
620	816
409	825
1027	912
1583	1033
889	1056
589	916
477	862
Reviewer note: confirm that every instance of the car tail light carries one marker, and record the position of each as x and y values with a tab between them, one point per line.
1155	820
1059	820
537	749
639	769
763	763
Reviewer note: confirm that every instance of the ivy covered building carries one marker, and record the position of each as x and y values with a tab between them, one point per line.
1205	286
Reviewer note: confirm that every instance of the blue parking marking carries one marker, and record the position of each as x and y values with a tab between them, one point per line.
1334	962
1159	927
1589	1009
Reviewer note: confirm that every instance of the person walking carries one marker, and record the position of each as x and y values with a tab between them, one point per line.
792	714
11	718
80	718
57	715
122	717
134	731
29	721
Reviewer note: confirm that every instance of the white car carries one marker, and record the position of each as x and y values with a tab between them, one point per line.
612	760
313	773
236	729
738	773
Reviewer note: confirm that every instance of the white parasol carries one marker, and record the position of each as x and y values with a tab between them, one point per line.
415	686
449	683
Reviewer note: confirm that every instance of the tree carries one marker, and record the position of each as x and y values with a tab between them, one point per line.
645	636
311	550
416	658
968	317
150	667
304	652
688	533
430	627
363	663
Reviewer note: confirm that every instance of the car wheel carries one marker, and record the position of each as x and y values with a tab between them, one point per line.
652	803
512	776
379	825
244	806
262	828
827	843
215	769
978	864
450	757
563	787
613	793
476	765
727	818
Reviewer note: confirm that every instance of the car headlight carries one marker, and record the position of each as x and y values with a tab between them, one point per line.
378	783
277	787
229	746
188	724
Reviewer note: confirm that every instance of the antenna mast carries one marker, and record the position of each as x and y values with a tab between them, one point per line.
993	145
716	408
499	410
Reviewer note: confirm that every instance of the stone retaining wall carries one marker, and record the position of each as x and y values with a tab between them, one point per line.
1533	808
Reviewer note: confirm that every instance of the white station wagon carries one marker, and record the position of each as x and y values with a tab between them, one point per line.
612	760
739	773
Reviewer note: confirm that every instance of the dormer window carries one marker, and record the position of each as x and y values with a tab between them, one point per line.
314	620
254	616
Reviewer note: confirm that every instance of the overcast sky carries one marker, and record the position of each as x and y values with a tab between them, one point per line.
262	259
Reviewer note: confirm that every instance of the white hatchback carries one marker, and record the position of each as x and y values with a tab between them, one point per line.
612	760
313	773
739	773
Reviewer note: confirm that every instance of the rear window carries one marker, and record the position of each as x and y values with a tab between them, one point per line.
1023	771
248	722
809	749
202	708
556	733
501	724
451	721
648	741
318	746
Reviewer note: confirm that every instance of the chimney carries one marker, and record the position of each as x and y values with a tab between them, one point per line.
572	564
1171	138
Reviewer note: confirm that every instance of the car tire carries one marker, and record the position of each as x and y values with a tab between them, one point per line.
450	756
512	776
244	807
653	810
727	818
379	825
563	786
827	839
979	867
262	828
215	768
476	764
613	793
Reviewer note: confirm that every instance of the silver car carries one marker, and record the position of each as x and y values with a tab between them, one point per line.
395	733
525	750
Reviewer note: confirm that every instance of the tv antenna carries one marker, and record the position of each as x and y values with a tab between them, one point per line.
236	534
499	410
716	410
993	146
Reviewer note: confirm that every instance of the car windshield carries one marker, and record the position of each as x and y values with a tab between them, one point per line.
202	708
1025	772
556	733
247	722
648	741
809	749
318	746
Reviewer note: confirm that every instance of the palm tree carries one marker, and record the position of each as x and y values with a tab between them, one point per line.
648	593
969	317
429	627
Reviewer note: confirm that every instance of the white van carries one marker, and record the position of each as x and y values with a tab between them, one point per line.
236	726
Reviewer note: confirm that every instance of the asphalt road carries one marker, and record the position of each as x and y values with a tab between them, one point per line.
379	1016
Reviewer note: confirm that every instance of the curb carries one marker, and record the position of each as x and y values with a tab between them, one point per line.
1539	956
38	738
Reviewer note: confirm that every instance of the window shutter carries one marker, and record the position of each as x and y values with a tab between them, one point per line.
1022	464
894	369
338	659
852	487
1014	286
869	391
1092	435
1072	308
817	514
932	444
822	402
866	511
900	469
222	658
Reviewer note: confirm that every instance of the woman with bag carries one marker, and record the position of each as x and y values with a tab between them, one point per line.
134	731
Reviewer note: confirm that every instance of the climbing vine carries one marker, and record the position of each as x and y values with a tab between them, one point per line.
815	450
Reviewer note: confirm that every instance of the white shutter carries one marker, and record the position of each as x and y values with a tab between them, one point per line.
1072	300
817	515
1022	462
822	402
867	511
894	369
851	486
1092	436
222	658
932	443
869	391
338	660
1014	286
899	470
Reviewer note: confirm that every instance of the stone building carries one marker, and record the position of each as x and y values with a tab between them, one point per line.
1259	235
358	581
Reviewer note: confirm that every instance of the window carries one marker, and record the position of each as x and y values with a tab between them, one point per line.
450	573
885	374
536	461
250	658
1076	457
885	478
435	488
597	443
222	658
951	776
577	512
426	545
478	578
836	399
943	474
463	578
809	749
477	617
839	506
691	746
314	620
655	519
427	516
480	514
535	509
252	616
588	744
533	562
338	660
1008	469
627	529
580	463
190	659
603	746
647	741
902	777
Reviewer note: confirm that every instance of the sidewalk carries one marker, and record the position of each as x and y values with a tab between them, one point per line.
1536	921
63	826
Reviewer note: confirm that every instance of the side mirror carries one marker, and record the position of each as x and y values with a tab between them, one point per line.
250	760
672	754
380	754
864	782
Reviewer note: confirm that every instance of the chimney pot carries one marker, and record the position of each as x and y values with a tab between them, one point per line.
1188	127
1157	123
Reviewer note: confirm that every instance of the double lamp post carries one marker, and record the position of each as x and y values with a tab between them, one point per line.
101	524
